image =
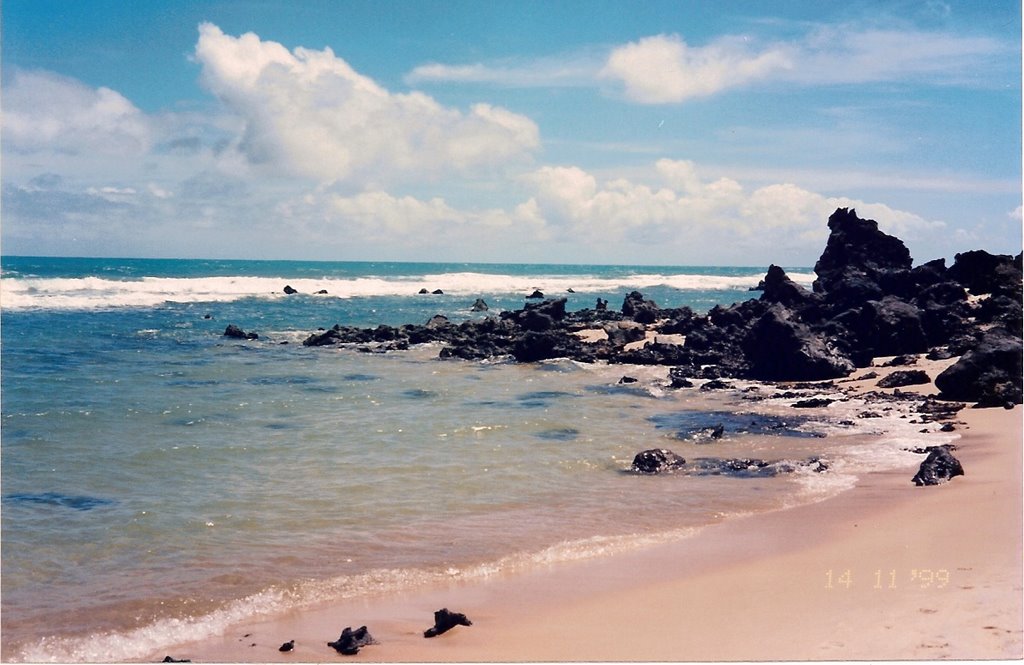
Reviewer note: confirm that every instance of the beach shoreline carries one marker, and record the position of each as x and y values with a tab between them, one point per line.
885	570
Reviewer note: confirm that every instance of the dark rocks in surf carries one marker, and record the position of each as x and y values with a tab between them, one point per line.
867	301
479	306
445	620
351	641
657	460
288	290
939	467
234	332
536	295
287	646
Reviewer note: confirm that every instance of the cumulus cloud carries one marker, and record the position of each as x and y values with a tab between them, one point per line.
692	213
664	69
46	112
312	113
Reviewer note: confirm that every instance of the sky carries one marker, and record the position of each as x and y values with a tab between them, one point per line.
601	131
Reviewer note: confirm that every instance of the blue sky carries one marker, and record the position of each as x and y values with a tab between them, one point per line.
580	132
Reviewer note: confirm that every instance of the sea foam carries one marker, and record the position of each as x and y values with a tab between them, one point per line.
85	293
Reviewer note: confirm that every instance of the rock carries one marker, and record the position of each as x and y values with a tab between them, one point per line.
716	384
989	374
856	255
981	272
287	646
323	338
169	659
901	361
940	466
322	292
900	378
437	292
679	377
351	641
235	332
289	290
947	427
540	345
812	403
627	379
445	620
479	306
893	327
536	295
423	292
779	288
638	308
621	333
656	460
778	348
437	321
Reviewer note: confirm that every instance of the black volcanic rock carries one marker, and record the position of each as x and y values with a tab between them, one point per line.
779	288
657	460
982	273
989	374
638	308
856	257
940	466
905	377
234	332
351	641
445	620
779	348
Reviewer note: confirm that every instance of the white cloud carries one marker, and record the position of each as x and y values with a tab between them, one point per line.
310	112
48	113
663	69
577	68
843	54
715	220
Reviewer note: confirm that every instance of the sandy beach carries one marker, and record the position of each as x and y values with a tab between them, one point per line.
884	571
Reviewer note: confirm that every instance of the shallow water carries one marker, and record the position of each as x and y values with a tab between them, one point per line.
161	481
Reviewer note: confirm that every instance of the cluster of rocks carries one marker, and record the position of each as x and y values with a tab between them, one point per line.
867	301
660	460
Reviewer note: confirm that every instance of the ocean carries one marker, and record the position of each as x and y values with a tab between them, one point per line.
161	482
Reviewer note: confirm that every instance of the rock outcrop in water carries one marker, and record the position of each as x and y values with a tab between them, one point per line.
867	301
661	461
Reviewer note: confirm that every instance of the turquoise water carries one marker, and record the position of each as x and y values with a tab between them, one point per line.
161	481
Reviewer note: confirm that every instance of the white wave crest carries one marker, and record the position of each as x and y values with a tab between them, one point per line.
98	293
